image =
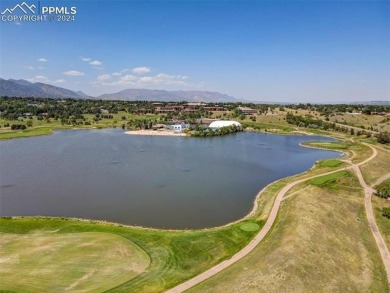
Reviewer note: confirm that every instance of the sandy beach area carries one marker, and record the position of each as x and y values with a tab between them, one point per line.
155	132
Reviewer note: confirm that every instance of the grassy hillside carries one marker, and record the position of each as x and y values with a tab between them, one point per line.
377	167
321	242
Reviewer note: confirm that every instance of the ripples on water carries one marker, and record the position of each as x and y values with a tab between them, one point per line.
167	182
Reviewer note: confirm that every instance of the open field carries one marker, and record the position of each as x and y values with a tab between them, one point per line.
377	167
174	255
367	121
320	243
82	262
383	223
357	151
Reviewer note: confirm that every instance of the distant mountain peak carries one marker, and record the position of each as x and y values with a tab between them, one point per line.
23	88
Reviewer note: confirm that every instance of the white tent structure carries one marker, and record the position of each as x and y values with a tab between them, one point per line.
223	123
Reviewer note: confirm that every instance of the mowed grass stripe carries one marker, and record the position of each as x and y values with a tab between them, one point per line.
327	179
82	262
175	255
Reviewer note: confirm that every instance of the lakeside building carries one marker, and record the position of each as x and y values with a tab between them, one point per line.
179	127
246	111
193	107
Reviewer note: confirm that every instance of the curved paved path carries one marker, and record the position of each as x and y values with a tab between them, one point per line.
272	217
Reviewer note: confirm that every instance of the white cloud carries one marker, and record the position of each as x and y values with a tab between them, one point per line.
29	67
85	59
59	81
96	63
128	79
74	73
103	77
38	78
44	79
141	70
42	60
116	74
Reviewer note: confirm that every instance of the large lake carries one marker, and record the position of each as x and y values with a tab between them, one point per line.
165	182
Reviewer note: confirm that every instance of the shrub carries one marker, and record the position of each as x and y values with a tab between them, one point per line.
386	212
18	127
384	137
383	189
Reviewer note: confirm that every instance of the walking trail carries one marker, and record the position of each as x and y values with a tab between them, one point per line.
272	217
368	191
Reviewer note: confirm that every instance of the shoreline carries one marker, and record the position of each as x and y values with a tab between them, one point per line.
155	133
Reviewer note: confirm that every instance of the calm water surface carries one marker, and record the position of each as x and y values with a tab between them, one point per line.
165	182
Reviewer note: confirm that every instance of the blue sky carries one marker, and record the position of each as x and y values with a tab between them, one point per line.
285	51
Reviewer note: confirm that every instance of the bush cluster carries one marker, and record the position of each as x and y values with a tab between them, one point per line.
208	132
18	127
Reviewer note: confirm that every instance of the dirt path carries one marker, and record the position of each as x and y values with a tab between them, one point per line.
368	191
380	180
272	217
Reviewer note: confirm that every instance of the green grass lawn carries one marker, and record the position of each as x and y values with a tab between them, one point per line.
331	163
43	127
328	180
329	145
59	262
175	255
25	133
268	126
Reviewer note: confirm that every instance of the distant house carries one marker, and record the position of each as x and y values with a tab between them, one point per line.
246	111
195	105
169	109
214	108
179	127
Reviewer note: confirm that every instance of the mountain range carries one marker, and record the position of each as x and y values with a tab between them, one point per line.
23	88
172	96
